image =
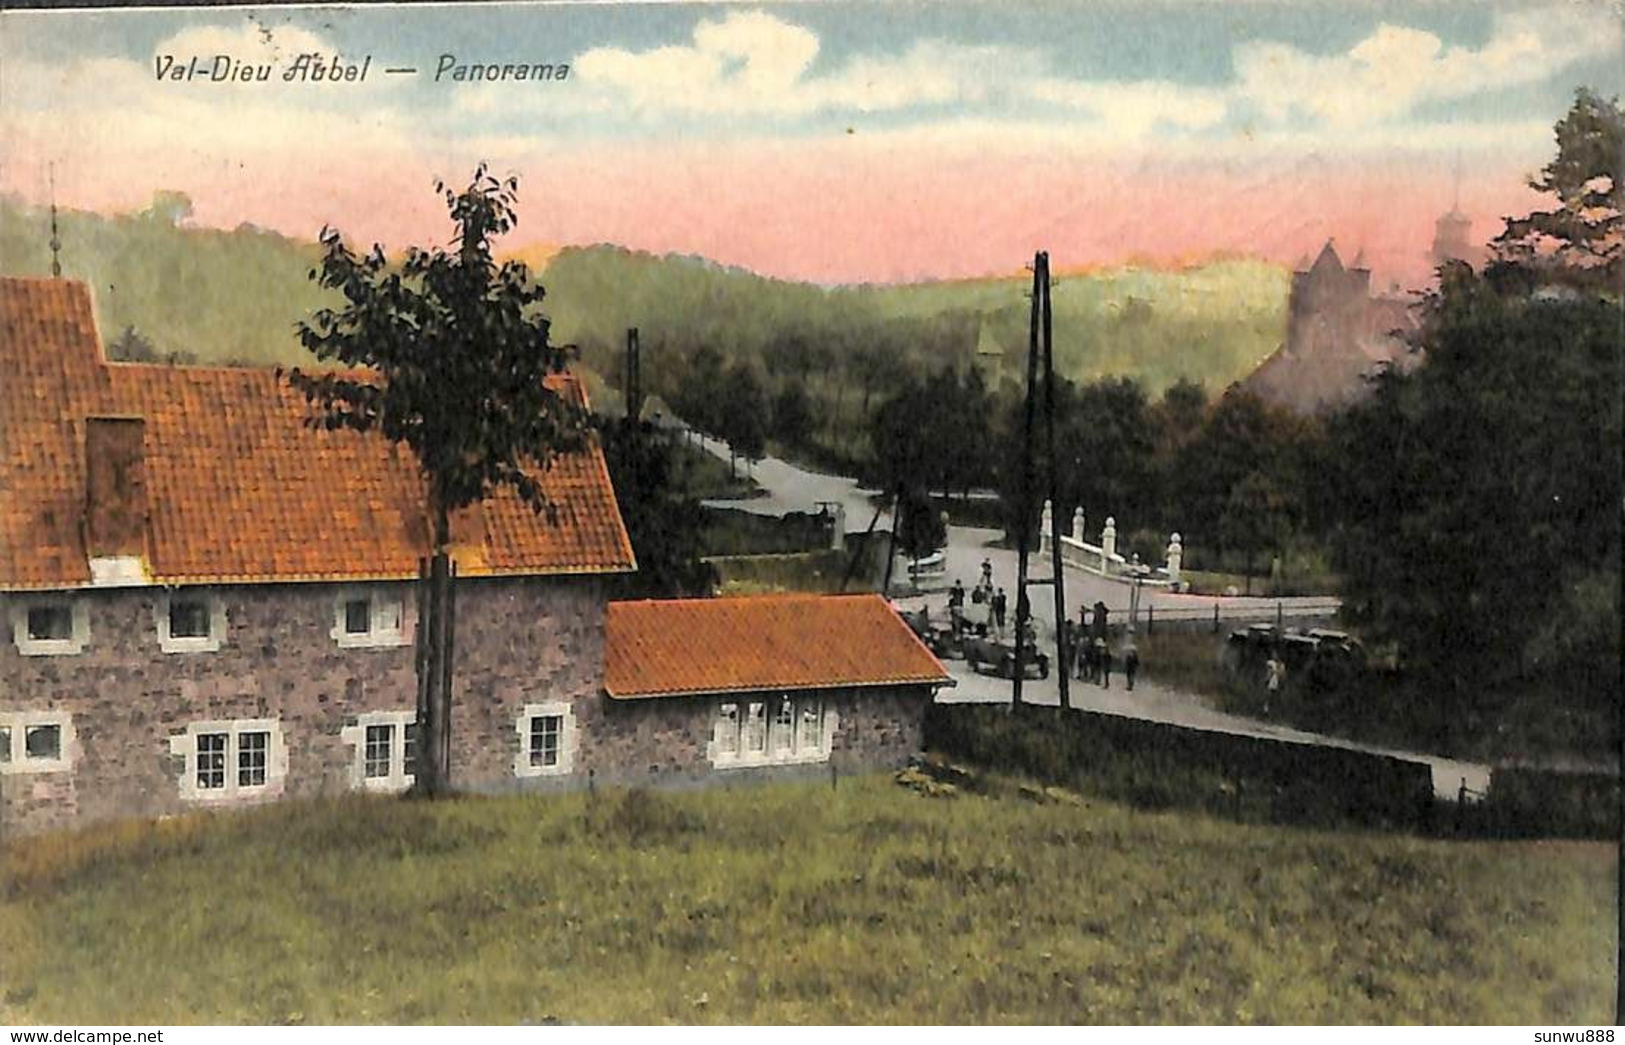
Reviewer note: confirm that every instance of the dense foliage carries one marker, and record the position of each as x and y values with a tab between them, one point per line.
458	356
664	522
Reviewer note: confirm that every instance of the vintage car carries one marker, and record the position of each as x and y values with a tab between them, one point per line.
1316	652
988	655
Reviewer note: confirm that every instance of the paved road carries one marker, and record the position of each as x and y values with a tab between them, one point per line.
795	489
792	488
1155	703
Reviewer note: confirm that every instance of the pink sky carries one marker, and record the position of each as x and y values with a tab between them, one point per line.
863	213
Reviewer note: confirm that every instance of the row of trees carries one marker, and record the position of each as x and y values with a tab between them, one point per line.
1235	473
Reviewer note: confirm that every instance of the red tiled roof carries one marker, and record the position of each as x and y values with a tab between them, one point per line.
768	642
237	488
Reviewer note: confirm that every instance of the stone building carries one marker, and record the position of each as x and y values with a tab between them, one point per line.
1338	334
209	603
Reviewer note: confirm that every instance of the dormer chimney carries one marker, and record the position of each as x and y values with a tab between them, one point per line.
115	488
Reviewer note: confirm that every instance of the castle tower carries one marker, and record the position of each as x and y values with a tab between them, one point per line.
1452	233
1452	239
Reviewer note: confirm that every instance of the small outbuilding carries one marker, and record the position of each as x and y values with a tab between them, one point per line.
695	686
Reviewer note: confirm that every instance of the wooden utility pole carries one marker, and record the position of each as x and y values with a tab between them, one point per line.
1057	577
1024	499
1040	344
634	376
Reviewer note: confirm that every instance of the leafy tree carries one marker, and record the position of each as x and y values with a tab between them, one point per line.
696	399
743	419
1241	435
1479	494
920	531
1254	520
665	526
792	415
457	357
132	346
1579	242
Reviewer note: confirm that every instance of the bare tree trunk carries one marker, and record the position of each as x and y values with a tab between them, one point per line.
434	662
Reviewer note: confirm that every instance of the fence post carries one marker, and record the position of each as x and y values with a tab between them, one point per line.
1215	618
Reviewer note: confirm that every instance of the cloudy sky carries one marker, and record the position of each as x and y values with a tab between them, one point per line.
831	141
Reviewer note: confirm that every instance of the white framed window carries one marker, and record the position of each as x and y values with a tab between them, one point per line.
789	729
783	733
372	616
755	730
50	626
231	760
547	740
36	741
725	732
190	620
385	745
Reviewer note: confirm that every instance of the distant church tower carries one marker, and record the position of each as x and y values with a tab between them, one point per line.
1452	233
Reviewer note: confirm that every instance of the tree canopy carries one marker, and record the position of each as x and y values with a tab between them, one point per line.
457	356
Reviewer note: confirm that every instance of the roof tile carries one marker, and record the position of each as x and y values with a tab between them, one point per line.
769	642
238	488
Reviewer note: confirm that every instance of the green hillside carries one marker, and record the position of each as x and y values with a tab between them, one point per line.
234	296
1212	323
214	295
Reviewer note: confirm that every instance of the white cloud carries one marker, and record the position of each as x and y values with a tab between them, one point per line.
754	64
1137	107
1396	69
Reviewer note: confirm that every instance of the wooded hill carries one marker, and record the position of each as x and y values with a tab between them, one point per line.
218	296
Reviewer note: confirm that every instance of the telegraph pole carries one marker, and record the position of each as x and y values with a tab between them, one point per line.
1024	500
634	376
1040	344
1057	577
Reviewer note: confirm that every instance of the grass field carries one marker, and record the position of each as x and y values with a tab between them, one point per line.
795	903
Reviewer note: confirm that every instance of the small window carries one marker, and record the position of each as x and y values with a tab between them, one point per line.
380	751
50	627
784	726
385	750
36	741
369	617
545	731
251	751
812	727
188	618
43	743
230	760
756	729
50	623
358	616
727	729
546	740
211	761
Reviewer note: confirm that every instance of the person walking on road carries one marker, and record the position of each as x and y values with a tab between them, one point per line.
1000	605
956	606
1274	678
987	573
1131	659
1103	663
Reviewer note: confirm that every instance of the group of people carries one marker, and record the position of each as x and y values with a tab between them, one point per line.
1089	653
985	594
1086	653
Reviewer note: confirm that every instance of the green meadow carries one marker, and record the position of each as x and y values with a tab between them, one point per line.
791	903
